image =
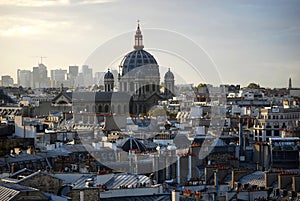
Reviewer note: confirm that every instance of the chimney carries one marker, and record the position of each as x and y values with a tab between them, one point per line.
296	183
216	181
190	167
178	169
175	195
12	170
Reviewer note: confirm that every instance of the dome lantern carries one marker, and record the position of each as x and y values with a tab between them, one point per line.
138	38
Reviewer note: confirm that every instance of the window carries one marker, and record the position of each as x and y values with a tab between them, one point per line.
119	109
276	132
113	108
131	86
106	108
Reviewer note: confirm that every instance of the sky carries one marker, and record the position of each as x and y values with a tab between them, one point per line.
230	42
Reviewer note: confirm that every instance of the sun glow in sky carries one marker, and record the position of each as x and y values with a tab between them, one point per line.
250	41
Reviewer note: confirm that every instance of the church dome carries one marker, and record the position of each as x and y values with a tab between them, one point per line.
108	75
133	144
135	59
169	75
139	57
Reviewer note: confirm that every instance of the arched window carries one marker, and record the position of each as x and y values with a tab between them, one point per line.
100	108
153	87
131	86
119	109
268	130
106	108
125	108
112	108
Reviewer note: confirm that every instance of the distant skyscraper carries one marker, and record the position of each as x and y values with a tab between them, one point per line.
99	78
73	71
80	80
58	77
39	76
72	75
7	81
25	78
87	75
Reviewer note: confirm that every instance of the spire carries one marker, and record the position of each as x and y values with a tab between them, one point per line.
61	87
138	38
290	83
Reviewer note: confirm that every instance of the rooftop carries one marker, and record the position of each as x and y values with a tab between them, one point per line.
10	190
255	178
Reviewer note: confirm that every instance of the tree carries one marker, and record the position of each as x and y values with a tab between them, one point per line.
200	85
252	85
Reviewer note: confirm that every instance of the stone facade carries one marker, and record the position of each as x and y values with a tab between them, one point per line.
272	122
42	181
92	194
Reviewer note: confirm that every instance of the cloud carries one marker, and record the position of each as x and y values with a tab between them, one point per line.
34	3
92	2
15	26
45	3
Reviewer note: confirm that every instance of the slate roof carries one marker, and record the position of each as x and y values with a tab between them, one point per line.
26	157
75	148
99	96
37	173
11	179
113	181
126	180
80	183
68	95
16	174
140	198
69	178
9	190
255	178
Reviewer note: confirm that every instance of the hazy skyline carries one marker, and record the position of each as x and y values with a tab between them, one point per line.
250	41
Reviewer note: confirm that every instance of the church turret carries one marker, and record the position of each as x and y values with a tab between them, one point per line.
108	81
169	83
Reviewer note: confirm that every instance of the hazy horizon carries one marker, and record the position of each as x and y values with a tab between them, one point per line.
254	41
